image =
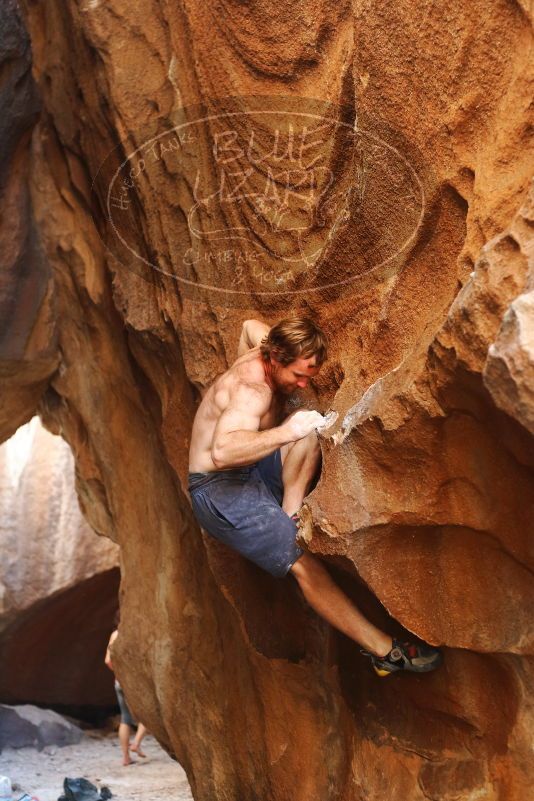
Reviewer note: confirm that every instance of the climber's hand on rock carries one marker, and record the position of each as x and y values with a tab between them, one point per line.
302	423
328	420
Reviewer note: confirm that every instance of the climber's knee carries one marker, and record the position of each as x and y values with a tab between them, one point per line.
305	449
312	443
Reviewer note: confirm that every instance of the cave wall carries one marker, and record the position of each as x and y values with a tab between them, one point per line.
58	580
424	506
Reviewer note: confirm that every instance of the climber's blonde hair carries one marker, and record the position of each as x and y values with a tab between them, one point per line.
294	338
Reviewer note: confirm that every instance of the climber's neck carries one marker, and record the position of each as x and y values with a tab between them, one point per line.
268	370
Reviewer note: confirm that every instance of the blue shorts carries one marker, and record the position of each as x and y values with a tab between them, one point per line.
241	506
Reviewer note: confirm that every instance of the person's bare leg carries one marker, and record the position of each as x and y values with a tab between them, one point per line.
124	740
299	465
136	745
331	603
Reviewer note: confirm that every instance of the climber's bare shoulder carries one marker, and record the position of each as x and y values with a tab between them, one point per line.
242	384
238	393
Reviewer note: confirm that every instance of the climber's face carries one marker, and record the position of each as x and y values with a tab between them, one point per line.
296	375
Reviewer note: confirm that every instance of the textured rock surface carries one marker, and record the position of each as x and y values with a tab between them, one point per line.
425	498
27	351
58	580
25	726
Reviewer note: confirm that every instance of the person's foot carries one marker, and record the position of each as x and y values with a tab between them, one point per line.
137	750
410	656
127	761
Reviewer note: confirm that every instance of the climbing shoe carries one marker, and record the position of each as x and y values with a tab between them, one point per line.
410	656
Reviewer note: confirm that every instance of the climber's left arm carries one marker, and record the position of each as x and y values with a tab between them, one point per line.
252	333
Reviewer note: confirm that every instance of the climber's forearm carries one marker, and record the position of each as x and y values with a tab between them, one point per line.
238	448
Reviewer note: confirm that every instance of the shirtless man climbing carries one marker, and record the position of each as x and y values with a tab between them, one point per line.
250	469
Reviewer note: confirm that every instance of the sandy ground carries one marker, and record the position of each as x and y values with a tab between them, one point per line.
97	758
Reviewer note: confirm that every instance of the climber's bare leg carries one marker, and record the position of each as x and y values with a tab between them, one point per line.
300	461
331	603
136	746
124	740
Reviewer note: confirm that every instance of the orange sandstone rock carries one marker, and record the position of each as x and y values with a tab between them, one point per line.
177	190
